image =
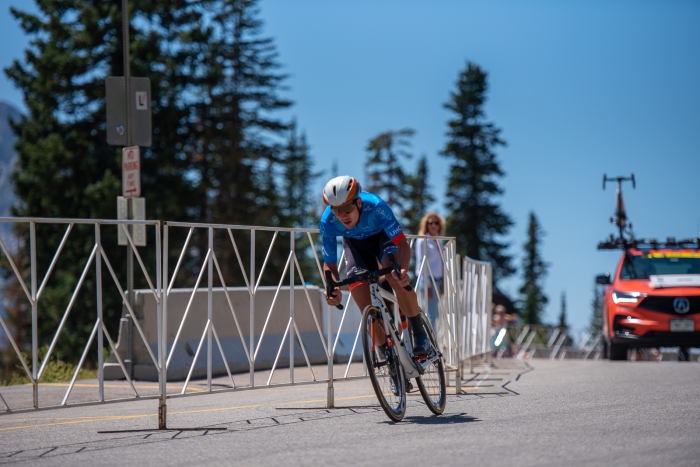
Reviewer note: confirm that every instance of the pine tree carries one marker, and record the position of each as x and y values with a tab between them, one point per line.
66	169
239	140
419	197
385	175
476	219
562	314
596	324
534	270
297	205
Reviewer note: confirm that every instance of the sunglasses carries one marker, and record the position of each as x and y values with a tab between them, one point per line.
433	223
346	209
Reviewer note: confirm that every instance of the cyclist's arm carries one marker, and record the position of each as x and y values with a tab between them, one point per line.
337	296
403	257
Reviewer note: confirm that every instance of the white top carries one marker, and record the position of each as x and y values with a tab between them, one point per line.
432	249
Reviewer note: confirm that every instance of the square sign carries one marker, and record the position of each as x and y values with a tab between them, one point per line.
138	212
131	172
140	115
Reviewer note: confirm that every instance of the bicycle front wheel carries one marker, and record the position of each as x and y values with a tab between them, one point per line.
432	383
384	368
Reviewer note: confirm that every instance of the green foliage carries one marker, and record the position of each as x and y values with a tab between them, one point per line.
419	197
55	370
534	270
596	324
237	140
475	218
297	179
217	146
66	169
562	314
385	175
298	205
407	194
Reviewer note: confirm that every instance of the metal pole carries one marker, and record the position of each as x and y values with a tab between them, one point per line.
292	333
251	336
210	282
163	328
129	207
330	397
456	318
98	286
35	320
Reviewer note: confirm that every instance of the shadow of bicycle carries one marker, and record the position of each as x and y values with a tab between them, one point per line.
445	419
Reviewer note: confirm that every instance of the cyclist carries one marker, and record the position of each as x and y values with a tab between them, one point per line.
369	231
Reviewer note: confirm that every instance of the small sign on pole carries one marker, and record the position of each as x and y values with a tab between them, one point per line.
138	210
131	172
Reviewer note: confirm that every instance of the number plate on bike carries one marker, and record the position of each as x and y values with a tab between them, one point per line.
682	325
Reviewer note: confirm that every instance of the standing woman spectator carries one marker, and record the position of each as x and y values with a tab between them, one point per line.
432	225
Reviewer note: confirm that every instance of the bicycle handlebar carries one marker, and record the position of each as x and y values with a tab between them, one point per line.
371	276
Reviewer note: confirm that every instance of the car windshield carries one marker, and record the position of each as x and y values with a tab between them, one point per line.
654	263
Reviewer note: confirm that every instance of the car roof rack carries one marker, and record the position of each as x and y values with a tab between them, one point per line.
625	239
649	243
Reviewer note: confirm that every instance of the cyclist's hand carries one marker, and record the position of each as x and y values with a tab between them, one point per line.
403	280
335	298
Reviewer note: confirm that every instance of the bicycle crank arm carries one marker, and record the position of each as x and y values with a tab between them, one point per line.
425	364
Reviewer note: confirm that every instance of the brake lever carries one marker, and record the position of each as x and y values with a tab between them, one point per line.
397	269
330	285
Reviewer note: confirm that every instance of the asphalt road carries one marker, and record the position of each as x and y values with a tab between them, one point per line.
517	413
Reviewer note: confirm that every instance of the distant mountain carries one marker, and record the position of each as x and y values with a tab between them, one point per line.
7	156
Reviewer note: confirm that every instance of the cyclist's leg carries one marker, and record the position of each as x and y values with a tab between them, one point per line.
408	301
359	256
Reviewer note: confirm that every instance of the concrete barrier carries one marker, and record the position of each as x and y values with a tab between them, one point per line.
232	342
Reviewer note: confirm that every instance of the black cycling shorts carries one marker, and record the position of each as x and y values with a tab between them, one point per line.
367	253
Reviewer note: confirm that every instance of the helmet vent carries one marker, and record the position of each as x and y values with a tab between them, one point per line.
334	191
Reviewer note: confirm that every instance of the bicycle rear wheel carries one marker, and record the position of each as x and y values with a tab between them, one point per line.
383	368
432	384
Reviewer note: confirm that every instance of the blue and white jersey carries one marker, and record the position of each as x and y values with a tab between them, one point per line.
376	216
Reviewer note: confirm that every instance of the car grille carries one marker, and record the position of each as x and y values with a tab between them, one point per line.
665	305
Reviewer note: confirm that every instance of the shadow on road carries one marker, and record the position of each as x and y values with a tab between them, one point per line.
445	419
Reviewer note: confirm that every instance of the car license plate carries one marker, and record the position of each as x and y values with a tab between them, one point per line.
682	325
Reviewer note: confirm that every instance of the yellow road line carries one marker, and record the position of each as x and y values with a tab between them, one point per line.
113	386
217	409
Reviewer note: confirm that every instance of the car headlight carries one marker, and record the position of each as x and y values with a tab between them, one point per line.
625	297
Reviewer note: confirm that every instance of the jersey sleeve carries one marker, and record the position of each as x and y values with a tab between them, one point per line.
387	220
328	243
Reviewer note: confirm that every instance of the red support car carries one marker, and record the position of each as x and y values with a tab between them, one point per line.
654	298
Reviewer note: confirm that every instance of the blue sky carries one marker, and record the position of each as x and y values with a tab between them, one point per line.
578	88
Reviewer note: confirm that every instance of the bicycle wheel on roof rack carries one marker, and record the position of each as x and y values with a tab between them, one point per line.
432	384
383	369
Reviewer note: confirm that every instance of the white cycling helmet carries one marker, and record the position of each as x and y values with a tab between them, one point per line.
341	190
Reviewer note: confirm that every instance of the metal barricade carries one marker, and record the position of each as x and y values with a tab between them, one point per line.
99	254
209	257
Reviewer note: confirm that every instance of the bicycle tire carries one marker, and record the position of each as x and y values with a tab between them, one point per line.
432	383
394	405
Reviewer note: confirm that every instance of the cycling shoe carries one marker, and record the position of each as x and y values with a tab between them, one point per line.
421	344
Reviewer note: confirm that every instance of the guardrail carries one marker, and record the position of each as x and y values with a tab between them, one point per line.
255	328
526	341
99	253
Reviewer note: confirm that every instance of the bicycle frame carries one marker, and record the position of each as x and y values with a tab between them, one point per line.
411	369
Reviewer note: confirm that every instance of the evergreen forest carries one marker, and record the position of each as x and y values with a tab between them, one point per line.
222	153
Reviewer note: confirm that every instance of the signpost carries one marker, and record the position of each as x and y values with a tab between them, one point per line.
138	210
128	125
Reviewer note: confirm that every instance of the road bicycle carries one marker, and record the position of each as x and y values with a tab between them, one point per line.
391	366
